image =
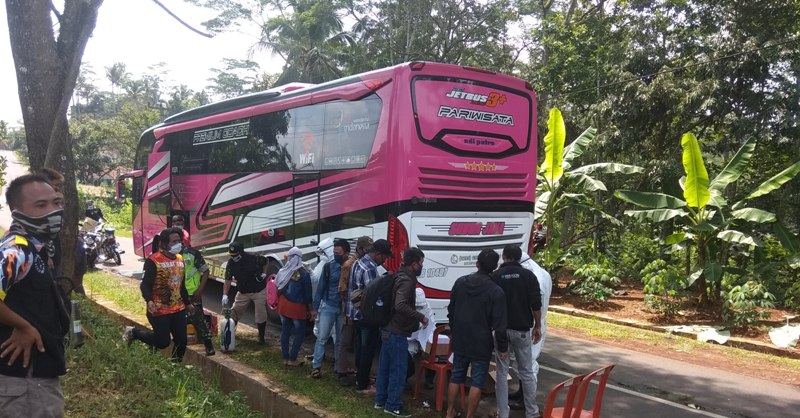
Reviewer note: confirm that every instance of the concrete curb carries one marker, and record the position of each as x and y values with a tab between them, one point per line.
263	394
743	344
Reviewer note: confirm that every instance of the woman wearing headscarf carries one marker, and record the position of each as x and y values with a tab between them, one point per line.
294	305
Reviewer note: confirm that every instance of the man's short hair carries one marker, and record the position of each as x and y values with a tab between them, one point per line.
343	243
53	176
14	190
177	218
512	252
163	236
412	255
363	243
487	260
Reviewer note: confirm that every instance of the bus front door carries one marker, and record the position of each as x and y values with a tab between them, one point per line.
157	199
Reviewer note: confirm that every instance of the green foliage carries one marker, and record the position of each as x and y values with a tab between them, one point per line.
118	215
791	298
633	250
664	287
109	379
742	303
596	284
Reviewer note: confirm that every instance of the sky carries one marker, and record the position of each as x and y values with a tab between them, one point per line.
141	34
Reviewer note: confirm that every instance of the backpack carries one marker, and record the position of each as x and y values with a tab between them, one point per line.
272	293
377	301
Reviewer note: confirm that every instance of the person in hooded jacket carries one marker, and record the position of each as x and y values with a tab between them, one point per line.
477	308
294	305
546	288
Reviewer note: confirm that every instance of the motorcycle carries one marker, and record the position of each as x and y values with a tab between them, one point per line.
101	245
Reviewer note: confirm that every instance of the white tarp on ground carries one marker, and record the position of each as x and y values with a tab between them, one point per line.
704	333
785	336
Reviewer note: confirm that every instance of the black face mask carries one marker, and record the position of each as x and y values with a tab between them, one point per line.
46	227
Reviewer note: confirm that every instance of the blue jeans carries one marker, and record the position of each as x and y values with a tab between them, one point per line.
392	368
480	371
328	319
295	328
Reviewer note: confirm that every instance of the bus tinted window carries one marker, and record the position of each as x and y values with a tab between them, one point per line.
324	136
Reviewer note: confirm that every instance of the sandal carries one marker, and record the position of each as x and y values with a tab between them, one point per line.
316	374
295	363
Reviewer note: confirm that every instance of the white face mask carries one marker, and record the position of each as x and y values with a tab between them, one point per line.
176	248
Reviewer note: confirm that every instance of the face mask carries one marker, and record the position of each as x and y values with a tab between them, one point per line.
47	226
338	258
236	258
176	248
418	272
179	226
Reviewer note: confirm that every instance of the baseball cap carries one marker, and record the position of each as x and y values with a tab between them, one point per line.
235	248
382	246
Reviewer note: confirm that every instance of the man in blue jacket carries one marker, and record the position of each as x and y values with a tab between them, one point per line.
477	307
326	305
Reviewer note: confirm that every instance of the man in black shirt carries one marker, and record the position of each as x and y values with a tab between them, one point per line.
33	317
523	304
93	212
250	273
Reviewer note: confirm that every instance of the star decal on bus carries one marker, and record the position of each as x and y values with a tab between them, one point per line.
479	166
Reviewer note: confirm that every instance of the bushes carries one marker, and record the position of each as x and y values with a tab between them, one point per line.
741	304
596	283
664	287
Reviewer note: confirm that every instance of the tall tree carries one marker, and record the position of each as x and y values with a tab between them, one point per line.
47	65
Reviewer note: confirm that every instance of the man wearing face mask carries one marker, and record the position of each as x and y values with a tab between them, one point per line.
326	305
164	289
33	318
250	273
364	271
178	222
405	319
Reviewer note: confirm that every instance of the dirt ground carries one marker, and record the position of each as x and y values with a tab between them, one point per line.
628	304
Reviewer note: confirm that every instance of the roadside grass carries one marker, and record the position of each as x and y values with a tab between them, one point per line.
106	378
324	392
619	333
118	215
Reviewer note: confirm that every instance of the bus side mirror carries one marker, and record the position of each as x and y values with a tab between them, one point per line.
120	189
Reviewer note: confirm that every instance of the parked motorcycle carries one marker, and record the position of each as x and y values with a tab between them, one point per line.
101	245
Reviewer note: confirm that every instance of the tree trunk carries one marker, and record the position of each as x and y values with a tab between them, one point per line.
47	70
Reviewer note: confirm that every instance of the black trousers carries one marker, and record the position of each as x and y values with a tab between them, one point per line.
164	326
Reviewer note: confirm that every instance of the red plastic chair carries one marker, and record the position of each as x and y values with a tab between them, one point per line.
439	364
601	375
571	384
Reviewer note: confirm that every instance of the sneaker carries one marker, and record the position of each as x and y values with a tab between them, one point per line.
127	335
344	379
378	406
397	413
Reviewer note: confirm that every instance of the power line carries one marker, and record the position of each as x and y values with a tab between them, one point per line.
672	70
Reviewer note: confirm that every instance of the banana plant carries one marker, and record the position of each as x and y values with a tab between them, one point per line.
710	225
564	184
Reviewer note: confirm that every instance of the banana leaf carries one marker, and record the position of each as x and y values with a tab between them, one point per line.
650	200
675	238
577	147
693	278
655	215
593	210
589	184
787	239
734	169
607	168
541	204
738	237
776	181
754	215
712	271
696	192
552	168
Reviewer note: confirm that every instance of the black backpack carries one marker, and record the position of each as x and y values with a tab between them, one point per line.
377	301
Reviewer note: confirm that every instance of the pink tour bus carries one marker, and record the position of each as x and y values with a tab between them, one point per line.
437	156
